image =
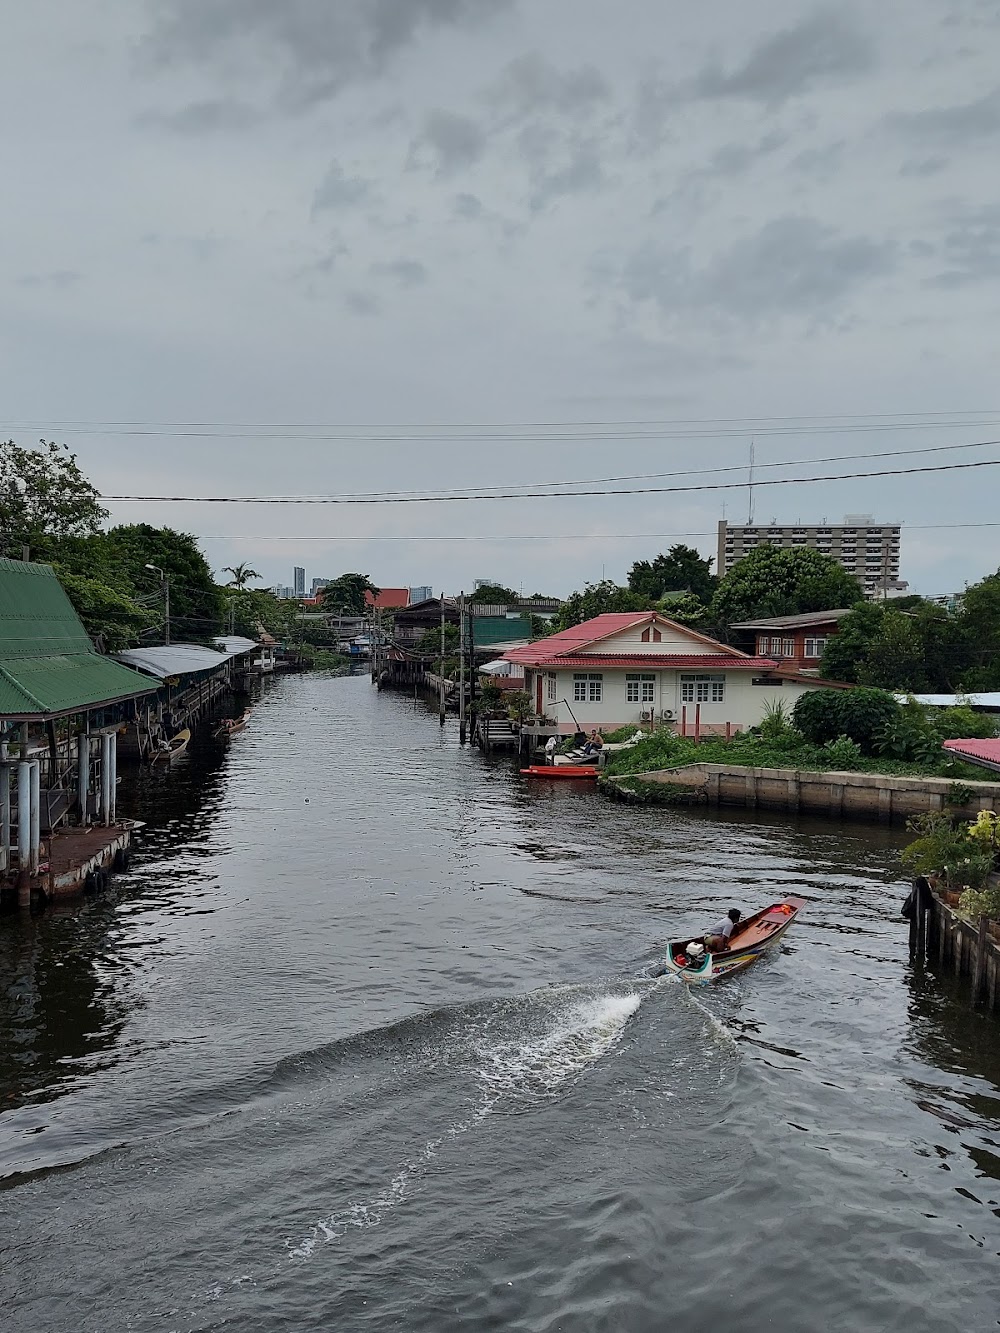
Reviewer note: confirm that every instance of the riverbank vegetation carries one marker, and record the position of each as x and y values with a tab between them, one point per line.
963	854
863	731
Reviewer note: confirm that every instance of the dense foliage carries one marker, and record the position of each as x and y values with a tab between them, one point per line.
598	599
861	714
495	594
782	581
346	594
682	569
43	494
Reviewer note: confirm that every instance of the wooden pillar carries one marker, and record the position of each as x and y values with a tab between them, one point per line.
979	966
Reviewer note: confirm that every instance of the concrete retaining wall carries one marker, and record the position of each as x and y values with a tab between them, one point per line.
872	796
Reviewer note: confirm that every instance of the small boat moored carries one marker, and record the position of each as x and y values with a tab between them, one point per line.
748	941
173	749
559	771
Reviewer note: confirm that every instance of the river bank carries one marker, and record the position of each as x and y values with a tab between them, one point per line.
374	1045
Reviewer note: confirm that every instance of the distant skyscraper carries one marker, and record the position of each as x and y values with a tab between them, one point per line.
299	580
319	583
421	594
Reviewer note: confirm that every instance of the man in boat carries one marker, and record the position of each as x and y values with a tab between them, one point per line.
717	940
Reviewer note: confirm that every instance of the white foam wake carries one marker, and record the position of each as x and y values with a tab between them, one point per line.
525	1066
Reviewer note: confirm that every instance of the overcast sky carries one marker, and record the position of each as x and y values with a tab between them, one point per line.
390	213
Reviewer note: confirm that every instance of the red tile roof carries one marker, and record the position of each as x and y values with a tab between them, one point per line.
653	661
557	646
389	599
986	753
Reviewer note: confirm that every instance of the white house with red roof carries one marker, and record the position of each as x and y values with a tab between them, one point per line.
640	667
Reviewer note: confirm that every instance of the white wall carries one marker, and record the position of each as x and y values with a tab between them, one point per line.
742	707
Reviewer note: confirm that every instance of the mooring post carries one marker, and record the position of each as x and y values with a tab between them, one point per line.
461	667
113	756
4	808
980	964
83	775
441	703
105	779
35	815
920	920
23	815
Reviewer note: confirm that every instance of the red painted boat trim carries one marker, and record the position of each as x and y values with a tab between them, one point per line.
558	771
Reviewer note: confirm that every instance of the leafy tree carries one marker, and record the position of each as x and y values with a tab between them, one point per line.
495	594
782	581
598	599
253	609
112	619
682	569
861	714
197	604
43	493
242	574
347	594
895	658
883	645
979	628
429	643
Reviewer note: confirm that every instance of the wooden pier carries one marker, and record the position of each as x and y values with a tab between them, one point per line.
951	942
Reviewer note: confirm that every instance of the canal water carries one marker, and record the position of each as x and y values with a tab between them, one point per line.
366	1039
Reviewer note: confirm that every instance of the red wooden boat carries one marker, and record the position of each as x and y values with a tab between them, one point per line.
559	771
749	940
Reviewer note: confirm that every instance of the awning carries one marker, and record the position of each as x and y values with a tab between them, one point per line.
175	659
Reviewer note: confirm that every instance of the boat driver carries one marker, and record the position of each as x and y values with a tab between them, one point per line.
717	940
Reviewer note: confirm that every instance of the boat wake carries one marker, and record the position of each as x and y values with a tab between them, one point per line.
558	1033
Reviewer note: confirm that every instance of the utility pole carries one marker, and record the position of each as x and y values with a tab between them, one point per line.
750	487
165	585
461	668
441	667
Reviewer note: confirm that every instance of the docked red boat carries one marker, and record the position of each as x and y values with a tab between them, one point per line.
559	771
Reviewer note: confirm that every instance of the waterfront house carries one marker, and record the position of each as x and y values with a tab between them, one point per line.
796	641
61	707
641	669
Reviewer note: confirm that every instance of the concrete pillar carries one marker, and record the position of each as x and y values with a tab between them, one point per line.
35	814
4	809
113	757
83	775
105	779
23	816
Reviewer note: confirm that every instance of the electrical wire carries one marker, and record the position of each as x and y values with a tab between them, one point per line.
442	498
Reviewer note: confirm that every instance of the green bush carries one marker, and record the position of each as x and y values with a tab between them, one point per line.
861	714
981	901
941	848
843	754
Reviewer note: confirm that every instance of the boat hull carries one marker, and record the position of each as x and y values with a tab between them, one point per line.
558	771
758	934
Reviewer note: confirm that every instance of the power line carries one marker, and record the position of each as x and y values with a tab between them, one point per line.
446	497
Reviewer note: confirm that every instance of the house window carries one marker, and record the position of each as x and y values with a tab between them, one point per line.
703	689
552	687
787	647
588	688
763	645
814	647
640	689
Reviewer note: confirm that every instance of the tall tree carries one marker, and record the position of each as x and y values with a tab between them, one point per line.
783	581
242	574
682	569
197	603
44	494
347	594
979	625
598	599
495	594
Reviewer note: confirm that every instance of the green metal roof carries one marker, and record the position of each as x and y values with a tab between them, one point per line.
48	664
488	630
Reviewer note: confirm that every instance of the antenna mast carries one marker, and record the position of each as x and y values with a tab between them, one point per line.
750	488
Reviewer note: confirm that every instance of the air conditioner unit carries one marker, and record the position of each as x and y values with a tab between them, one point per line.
667	715
647	717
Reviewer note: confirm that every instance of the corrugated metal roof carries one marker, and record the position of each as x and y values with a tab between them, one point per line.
652	661
234	645
988	699
48	664
800	621
175	659
985	753
490	630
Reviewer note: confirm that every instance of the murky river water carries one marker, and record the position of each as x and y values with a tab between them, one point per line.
366	1040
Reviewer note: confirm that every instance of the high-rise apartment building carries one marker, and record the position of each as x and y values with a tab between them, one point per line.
868	550
299	581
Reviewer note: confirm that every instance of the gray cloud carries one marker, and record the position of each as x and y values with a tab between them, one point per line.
468	206
407	272
792	265
362	303
338	190
924	166
321	46
455	142
530	84
816	50
956	125
733	158
581	172
209	117
60	279
820	163
971	249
